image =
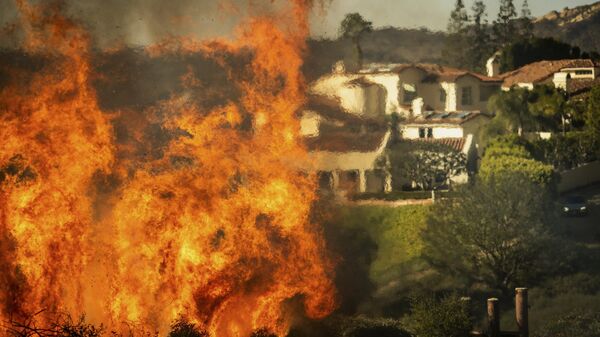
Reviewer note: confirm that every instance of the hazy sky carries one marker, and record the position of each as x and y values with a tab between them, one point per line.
432	14
139	22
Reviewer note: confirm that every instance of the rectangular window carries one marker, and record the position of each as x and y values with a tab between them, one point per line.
425	132
466	96
442	96
410	93
583	72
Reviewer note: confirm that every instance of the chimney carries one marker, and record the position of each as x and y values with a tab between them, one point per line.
493	65
339	67
417	106
561	80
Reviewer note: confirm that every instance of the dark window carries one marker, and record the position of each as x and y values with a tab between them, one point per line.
442	95
429	133
467	96
410	93
583	72
421	132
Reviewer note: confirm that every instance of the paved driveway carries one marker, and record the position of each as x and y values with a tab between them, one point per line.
586	229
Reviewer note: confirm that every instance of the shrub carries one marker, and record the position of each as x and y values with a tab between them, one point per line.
183	328
580	324
448	317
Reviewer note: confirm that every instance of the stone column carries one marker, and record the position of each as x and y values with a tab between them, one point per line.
362	181
387	183
493	313
521	312
335	180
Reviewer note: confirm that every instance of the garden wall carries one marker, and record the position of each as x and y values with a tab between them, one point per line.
579	177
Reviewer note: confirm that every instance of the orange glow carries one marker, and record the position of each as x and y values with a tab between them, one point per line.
223	239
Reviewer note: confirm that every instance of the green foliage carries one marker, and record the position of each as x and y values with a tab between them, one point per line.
566	151
534	170
425	163
394	231
592	115
479	47
504	26
353	27
522	52
491	235
580	324
511	109
526	24
362	326
506	156
448	317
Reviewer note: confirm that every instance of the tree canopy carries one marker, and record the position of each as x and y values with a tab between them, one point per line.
491	235
353	27
507	156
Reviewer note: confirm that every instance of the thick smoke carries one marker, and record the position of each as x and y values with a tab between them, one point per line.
113	23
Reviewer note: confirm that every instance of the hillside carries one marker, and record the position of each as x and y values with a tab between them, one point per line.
579	26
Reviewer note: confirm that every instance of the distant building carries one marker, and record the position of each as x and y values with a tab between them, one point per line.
576	77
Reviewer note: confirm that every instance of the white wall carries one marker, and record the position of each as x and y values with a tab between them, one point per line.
579	177
309	124
331	161
439	131
363	100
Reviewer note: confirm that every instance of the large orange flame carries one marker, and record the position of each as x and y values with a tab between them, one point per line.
216	231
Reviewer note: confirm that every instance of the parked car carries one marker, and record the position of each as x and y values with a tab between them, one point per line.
575	205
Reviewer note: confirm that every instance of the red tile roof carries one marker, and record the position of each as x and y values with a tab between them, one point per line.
345	141
457	144
540	71
331	109
581	86
446	74
434	117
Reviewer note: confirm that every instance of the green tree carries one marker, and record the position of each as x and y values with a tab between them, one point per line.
525	23
506	156
353	27
448	317
511	109
526	51
490	235
455	51
479	38
504	26
592	115
425	163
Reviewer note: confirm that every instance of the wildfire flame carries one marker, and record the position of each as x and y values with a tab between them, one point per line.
216	231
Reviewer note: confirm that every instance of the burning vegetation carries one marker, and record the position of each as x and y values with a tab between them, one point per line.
205	221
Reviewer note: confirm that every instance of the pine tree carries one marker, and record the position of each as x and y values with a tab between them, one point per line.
504	26
526	25
480	48
456	45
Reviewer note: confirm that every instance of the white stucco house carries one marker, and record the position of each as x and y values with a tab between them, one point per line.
346	121
392	88
344	148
